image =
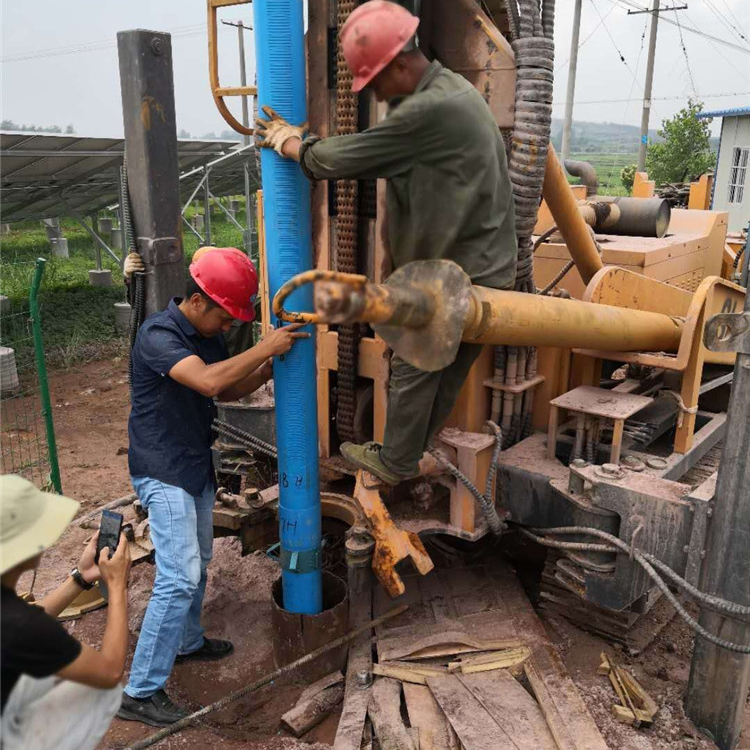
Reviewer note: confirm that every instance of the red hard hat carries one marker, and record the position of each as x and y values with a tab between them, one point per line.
229	278
372	36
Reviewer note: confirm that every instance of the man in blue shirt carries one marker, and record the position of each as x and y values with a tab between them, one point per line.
180	364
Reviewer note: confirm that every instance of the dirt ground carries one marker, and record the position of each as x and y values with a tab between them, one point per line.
91	410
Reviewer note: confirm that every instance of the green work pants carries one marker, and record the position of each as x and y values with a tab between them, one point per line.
418	404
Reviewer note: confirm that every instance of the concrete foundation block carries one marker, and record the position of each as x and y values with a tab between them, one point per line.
59	247
122	316
100	278
117	242
198	222
4	229
8	370
105	227
4	305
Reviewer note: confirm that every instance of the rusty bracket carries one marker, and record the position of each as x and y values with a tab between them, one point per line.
392	545
159	250
728	332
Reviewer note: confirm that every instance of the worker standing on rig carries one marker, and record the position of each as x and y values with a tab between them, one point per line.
180	364
448	197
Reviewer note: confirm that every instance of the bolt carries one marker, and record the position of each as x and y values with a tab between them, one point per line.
579	463
364	679
633	463
686	549
157	46
611	469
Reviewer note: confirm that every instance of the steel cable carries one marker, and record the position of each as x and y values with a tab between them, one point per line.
645	560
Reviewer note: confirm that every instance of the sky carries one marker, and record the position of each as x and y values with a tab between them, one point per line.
82	87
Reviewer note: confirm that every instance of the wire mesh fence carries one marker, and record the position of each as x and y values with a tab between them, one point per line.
27	438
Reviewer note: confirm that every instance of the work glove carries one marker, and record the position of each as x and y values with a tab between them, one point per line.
276	131
133	264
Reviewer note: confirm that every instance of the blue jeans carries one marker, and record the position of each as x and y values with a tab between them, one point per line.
182	532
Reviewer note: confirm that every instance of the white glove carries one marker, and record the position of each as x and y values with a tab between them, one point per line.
276	131
133	264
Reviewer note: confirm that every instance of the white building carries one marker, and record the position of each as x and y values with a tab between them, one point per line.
731	191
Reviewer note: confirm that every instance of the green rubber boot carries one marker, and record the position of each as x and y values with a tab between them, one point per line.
367	457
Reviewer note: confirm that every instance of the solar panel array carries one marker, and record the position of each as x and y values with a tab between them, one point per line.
43	175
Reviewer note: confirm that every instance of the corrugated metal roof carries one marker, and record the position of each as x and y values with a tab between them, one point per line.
42	172
736	112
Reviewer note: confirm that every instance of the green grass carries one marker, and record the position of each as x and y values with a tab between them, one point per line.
607	168
78	319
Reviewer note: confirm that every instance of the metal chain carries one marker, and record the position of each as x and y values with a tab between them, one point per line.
346	238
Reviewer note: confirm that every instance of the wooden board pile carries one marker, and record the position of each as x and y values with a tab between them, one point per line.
636	706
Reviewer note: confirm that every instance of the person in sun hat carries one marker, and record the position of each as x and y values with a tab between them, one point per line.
448	197
57	693
180	365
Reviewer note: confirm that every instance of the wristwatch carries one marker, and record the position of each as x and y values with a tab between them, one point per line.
75	574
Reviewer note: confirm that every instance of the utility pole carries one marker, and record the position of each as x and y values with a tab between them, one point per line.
249	213
718	687
572	68
647	88
148	112
643	145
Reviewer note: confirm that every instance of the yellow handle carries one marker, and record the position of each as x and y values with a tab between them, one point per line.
218	92
310	277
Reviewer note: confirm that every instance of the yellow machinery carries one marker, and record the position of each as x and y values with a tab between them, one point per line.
636	301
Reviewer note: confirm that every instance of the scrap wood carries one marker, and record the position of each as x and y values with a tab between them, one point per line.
309	713
513	708
384	711
475	727
406	672
416	645
505	659
435	733
636	706
330	679
564	710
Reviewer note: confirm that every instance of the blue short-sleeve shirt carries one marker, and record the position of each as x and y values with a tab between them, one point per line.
170	424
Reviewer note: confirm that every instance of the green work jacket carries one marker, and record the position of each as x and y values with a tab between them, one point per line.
448	191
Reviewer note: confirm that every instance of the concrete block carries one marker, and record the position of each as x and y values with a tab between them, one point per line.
198	222
100	278
60	247
4	305
122	317
4	229
8	370
117	239
105	227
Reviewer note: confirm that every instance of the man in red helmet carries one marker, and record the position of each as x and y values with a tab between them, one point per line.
179	365
448	197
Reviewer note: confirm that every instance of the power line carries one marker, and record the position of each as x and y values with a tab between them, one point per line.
180	32
732	16
656	98
719	52
723	20
687	62
666	19
588	36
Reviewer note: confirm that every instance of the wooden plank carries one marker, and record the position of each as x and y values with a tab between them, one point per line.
308	713
476	729
324	682
506	659
385	714
447	643
407	672
512	708
563	708
435	733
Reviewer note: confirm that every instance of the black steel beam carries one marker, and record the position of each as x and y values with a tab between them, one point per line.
148	110
719	679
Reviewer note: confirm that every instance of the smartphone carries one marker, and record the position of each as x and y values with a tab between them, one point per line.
109	533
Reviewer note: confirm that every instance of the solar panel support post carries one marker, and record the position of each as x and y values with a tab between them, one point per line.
207	208
147	89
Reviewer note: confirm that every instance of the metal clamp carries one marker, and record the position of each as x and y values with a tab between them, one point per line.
310	277
159	250
728	332
304	561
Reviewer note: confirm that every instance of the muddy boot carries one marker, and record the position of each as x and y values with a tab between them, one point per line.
211	650
367	457
156	710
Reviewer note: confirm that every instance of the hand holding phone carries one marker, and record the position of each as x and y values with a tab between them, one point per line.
109	533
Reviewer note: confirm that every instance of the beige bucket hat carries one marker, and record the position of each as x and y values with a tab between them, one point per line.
31	521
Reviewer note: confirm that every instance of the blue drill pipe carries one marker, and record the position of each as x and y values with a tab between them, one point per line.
280	65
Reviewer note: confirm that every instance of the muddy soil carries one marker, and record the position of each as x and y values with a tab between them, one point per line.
91	409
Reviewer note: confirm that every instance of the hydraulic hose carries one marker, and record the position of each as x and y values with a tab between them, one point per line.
645	560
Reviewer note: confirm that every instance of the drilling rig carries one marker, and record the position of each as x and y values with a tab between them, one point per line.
605	373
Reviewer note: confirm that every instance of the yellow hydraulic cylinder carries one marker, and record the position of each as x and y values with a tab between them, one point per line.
427	308
565	211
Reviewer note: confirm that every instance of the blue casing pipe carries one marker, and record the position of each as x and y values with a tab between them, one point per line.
280	66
